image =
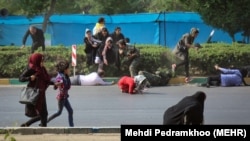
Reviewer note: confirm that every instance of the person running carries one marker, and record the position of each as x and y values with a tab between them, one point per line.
36	75
130	56
63	84
181	51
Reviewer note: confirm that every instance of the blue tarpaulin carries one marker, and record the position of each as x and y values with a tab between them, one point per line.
163	28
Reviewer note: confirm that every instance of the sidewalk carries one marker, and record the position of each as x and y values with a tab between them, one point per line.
66	137
173	81
62	134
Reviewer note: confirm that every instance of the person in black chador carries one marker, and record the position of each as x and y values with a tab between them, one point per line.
188	111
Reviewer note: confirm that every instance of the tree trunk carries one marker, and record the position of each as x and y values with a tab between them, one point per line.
232	36
48	14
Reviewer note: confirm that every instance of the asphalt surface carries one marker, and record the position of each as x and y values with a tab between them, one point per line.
106	106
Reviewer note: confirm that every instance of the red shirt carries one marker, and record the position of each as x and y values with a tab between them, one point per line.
127	84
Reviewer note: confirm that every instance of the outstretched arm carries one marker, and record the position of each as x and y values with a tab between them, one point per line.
100	81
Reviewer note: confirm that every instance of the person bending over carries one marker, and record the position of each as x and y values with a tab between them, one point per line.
188	111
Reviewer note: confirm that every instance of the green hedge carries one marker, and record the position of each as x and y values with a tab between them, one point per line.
225	55
13	59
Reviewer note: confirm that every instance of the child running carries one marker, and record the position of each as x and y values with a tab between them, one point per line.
63	84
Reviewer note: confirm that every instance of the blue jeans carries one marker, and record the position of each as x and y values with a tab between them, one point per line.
63	103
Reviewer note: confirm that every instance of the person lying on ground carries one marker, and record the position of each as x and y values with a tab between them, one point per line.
92	79
227	77
132	85
159	78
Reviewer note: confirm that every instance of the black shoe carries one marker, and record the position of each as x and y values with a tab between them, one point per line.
40	125
205	85
24	125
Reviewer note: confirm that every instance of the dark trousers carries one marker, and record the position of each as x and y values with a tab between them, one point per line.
63	103
35	46
184	62
214	80
91	57
42	116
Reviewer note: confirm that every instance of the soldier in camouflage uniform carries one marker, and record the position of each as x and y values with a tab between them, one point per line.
156	79
128	55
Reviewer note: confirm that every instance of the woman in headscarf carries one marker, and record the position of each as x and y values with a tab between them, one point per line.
188	111
36	75
91	47
105	54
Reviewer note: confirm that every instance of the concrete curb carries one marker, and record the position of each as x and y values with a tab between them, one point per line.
58	130
173	81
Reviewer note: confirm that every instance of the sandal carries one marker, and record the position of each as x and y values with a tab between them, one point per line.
188	79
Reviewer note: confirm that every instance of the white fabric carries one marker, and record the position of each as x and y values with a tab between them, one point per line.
92	79
97	60
139	78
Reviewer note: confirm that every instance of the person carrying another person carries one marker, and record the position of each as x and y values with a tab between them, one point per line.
99	25
228	77
37	36
91	47
181	51
92	79
130	56
188	111
103	35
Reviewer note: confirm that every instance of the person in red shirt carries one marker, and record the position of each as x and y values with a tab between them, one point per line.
132	85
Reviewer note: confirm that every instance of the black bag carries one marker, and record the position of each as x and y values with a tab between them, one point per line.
30	110
29	95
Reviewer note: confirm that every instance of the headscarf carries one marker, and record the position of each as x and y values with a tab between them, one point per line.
86	31
35	60
92	39
106	42
35	63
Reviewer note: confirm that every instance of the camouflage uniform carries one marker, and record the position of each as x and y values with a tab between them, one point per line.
126	59
157	79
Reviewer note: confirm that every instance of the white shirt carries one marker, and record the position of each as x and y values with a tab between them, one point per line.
93	79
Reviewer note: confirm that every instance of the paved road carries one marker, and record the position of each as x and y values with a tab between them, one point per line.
106	106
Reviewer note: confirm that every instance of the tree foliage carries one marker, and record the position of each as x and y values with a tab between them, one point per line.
228	15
